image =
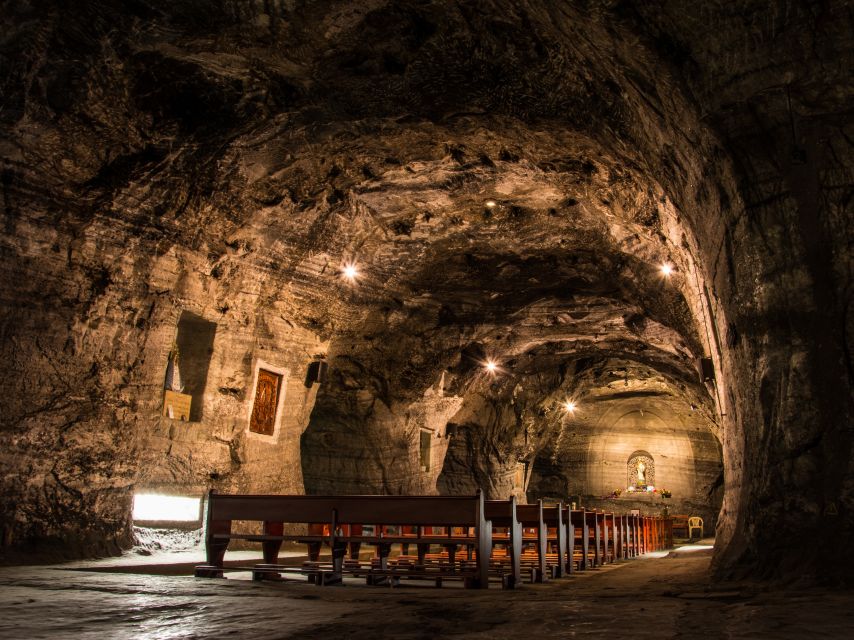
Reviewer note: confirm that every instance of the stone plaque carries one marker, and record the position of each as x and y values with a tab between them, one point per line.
263	419
177	405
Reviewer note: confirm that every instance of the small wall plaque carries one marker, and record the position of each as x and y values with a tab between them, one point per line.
177	405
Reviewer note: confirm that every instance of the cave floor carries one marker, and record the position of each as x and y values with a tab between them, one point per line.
658	596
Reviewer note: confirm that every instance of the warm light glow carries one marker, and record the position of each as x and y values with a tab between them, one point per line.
350	271
569	405
151	506
688	548
490	203
666	269
491	366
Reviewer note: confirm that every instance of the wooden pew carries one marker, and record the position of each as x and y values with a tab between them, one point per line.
609	534
556	537
603	537
646	533
335	511
581	539
637	534
594	548
680	526
656	533
416	518
628	548
667	526
502	514
531	517
616	536
570	539
623	526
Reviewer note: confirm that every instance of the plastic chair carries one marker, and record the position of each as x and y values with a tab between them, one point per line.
695	522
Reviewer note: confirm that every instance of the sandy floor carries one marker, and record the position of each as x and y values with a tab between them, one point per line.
658	596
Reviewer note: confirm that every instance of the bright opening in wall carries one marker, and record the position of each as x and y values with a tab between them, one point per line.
154	507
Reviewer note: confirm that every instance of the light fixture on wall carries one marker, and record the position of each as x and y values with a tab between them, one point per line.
491	366
569	406
666	269
350	271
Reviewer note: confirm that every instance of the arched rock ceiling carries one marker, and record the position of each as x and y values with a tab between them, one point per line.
280	145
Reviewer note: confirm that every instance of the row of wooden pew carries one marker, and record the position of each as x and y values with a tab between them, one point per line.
463	538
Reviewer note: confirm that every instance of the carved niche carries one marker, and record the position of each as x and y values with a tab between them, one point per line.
640	470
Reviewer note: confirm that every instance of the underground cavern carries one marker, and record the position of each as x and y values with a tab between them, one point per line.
591	253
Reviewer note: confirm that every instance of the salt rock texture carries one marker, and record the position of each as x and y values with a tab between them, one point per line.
226	159
660	595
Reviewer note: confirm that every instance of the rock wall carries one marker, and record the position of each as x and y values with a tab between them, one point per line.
780	273
88	378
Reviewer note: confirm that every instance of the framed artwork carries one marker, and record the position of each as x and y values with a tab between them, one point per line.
267	390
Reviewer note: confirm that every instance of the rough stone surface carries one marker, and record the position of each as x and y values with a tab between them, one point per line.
228	158
648	598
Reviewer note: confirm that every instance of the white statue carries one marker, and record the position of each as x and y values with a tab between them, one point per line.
173	374
641	467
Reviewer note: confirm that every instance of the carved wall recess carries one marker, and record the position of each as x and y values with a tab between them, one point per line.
640	470
194	342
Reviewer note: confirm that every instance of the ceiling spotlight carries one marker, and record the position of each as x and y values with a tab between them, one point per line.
666	269
490	204
350	271
491	366
569	405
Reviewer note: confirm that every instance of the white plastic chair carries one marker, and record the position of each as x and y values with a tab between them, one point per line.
695	522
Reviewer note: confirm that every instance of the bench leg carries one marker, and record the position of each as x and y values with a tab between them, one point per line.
423	550
452	556
380	562
271	547
339	551
208	571
215	549
314	551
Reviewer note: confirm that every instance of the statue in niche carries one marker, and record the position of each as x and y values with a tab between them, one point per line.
640	471
173	374
176	404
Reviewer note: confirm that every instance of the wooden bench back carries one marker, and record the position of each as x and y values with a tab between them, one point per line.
530	515
438	511
553	515
290	509
502	513
388	510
